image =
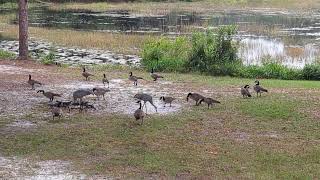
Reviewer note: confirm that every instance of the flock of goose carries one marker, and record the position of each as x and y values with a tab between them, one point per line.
139	114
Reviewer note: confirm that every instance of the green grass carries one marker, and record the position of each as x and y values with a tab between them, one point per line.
193	143
6	54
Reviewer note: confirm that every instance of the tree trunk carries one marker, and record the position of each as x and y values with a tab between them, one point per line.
23	29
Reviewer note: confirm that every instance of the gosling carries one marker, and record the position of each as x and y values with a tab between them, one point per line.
209	101
105	80
49	95
33	82
100	92
195	96
56	112
245	91
86	74
134	79
167	100
139	114
154	76
258	89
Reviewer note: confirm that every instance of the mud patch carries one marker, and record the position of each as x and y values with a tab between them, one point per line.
20	168
120	99
240	136
8	69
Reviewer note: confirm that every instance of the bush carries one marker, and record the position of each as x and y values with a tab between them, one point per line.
311	72
269	70
166	54
213	51
6	55
48	59
210	52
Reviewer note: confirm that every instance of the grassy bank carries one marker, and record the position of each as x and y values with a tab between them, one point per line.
272	137
121	43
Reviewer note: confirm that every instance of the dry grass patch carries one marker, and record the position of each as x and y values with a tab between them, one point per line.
120	43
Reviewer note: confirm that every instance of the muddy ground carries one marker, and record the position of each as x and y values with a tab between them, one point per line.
20	106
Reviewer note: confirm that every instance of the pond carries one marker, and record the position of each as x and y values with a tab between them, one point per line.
288	37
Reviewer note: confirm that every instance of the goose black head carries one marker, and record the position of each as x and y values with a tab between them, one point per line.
162	98
104	75
42	91
257	82
29	76
84	69
152	70
246	86
130	73
190	94
94	89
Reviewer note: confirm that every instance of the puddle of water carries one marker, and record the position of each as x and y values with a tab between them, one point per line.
120	99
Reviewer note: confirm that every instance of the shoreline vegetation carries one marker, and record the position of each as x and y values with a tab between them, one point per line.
173	58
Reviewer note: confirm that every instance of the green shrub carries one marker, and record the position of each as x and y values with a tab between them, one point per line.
6	55
269	70
48	59
311	72
213	51
166	54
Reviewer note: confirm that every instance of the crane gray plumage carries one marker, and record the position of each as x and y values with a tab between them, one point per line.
33	82
145	98
209	101
49	95
195	96
79	94
105	80
245	91
139	114
155	76
100	91
258	89
134	79
167	100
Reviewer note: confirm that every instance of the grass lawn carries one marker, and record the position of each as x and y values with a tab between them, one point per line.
272	137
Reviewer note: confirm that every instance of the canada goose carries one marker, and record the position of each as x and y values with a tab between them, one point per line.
86	74
56	112
105	80
49	95
100	91
245	91
167	100
139	114
134	79
209	101
195	96
145	98
33	82
154	76
79	94
258	88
